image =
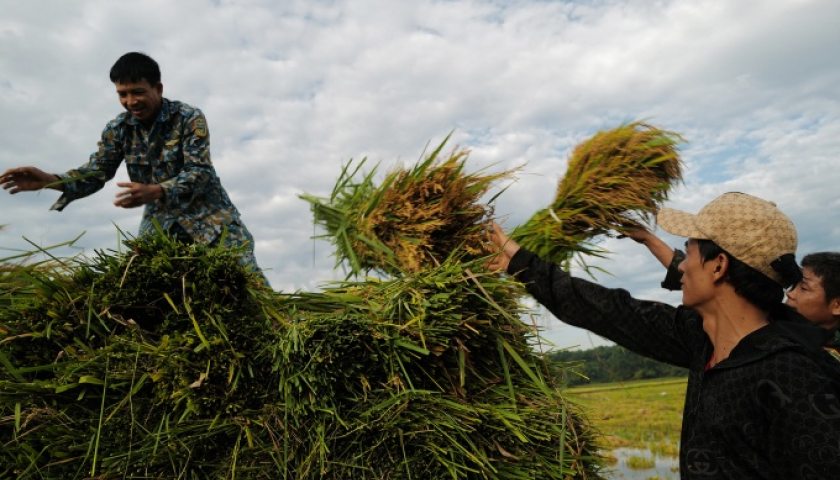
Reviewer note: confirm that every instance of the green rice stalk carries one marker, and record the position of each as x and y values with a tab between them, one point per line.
414	218
615	181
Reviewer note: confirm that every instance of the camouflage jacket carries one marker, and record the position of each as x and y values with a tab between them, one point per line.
175	154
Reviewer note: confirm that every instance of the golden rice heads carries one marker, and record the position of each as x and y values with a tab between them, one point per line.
614	181
426	213
618	178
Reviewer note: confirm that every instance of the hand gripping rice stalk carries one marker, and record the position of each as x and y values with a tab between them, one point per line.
413	219
616	180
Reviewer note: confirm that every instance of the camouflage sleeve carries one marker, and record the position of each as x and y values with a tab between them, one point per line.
91	177
198	169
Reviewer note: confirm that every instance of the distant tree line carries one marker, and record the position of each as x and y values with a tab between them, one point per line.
610	364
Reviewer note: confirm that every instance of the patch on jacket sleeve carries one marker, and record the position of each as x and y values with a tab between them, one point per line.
200	126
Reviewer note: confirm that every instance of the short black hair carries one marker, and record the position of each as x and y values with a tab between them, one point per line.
134	67
749	283
825	265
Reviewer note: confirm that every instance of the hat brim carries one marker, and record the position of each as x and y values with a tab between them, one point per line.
677	222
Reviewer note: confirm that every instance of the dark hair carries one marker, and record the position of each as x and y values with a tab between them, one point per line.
135	66
749	283
825	265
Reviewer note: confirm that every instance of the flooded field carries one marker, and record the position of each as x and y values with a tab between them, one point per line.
642	464
641	425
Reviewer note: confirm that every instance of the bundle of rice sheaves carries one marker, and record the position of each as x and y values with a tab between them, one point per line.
170	361
413	218
614	181
108	364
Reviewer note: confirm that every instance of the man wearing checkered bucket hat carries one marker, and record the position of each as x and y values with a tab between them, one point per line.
763	398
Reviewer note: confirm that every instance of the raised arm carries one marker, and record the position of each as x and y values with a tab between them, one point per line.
652	329
657	247
670	259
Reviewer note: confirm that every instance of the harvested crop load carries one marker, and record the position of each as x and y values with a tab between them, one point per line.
413	219
133	365
439	381
170	361
616	180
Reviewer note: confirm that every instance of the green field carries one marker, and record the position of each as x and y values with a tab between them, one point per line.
643	414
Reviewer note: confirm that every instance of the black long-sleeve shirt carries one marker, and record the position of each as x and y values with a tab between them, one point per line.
771	410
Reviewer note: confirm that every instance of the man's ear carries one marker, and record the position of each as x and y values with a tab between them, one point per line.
834	306
721	263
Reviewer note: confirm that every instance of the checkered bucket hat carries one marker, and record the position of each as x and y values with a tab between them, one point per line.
752	230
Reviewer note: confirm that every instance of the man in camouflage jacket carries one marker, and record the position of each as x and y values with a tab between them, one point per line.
166	148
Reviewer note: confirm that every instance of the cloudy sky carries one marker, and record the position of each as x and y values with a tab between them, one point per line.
292	90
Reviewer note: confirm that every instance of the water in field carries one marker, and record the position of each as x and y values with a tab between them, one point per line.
665	468
641	422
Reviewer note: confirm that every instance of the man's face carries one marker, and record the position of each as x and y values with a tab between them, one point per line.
697	277
808	298
141	99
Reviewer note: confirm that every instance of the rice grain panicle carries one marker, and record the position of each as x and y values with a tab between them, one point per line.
414	218
615	180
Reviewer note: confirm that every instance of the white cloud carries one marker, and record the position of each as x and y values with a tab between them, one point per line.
292	90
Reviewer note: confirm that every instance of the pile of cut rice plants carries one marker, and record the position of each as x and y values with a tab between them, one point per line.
119	366
426	376
170	361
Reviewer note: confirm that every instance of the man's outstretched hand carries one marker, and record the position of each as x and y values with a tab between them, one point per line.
137	194
656	245
24	179
507	249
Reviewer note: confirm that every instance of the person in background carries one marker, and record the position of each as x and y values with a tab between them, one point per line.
165	145
763	397
816	296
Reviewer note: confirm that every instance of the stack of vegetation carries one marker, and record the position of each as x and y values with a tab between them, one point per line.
130	365
169	361
430	375
607	364
614	181
413	219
